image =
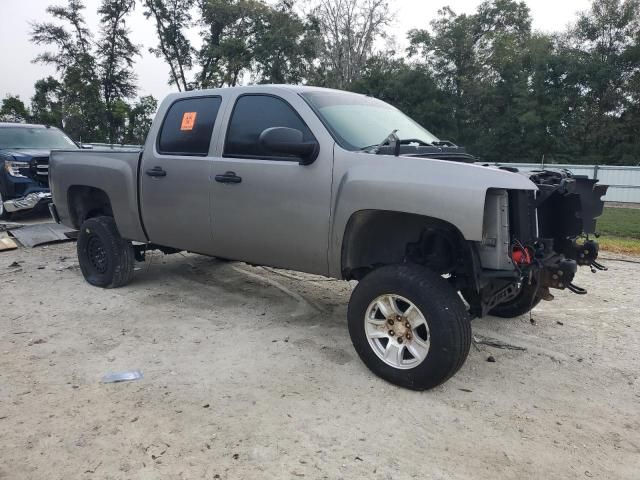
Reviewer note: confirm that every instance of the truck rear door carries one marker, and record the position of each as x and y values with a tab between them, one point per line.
269	210
175	175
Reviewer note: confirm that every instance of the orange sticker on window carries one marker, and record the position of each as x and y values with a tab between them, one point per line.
188	120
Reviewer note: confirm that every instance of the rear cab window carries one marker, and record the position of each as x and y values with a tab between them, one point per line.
254	113
187	126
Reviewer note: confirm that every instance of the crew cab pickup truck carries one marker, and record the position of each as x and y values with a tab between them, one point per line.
24	163
342	185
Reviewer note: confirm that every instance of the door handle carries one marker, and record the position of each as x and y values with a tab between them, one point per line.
156	172
229	177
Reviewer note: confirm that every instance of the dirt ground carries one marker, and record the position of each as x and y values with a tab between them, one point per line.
250	373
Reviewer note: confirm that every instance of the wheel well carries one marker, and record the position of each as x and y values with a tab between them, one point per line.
87	202
377	237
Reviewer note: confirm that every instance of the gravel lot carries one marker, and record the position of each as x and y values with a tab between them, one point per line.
250	373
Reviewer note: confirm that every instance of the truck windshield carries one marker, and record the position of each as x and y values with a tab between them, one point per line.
34	137
358	121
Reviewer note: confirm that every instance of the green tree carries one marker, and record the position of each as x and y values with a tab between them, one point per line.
484	80
140	119
228	40
172	19
13	110
250	38
286	45
83	107
115	53
80	92
470	55
449	51
411	88
46	103
72	42
604	48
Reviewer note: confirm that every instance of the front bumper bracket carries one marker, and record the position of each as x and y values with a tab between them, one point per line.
27	202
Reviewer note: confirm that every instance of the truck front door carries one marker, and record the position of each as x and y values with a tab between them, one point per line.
175	176
270	210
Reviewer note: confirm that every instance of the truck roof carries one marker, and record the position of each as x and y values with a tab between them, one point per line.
249	88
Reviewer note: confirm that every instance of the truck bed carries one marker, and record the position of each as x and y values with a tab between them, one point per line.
110	171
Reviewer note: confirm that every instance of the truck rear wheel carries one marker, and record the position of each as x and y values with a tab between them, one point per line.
409	326
106	259
526	300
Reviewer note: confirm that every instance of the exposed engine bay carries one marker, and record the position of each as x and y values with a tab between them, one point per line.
532	241
535	241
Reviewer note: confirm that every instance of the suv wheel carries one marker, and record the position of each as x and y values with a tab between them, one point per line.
409	326
106	259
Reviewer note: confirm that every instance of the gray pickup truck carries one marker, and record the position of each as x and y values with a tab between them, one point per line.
342	185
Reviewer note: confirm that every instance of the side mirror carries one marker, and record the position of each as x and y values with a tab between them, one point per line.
289	141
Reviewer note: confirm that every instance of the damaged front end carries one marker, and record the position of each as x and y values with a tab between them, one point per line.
535	241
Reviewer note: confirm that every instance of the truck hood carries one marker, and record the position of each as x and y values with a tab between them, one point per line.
456	158
460	173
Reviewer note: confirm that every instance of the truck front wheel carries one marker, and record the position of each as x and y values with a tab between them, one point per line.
106	259
409	326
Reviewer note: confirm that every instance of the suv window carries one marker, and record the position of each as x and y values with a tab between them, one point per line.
252	115
187	127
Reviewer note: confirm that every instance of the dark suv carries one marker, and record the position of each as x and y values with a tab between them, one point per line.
24	165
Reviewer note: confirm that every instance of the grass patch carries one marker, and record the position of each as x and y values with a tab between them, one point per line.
628	246
619	222
620	230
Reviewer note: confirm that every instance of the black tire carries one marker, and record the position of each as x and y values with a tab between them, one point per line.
448	323
106	259
527	299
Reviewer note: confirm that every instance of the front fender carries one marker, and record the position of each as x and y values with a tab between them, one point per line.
445	190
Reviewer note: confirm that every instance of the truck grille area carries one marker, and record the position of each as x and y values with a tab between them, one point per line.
39	170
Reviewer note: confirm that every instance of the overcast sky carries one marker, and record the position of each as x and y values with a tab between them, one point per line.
18	74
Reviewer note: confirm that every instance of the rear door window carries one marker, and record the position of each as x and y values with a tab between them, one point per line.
188	125
252	115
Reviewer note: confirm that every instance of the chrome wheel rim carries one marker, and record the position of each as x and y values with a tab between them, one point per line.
397	331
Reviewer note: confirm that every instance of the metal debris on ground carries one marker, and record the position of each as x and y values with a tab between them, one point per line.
492	342
6	226
122	376
38	234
